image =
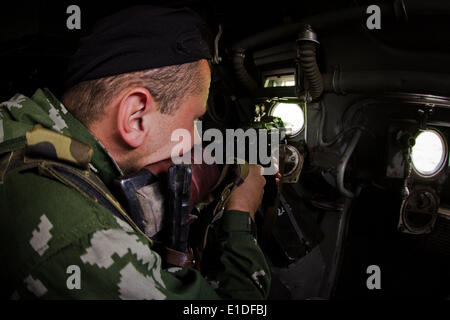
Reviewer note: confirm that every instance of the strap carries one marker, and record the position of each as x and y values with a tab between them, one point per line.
84	181
242	173
271	212
243	169
12	144
179	259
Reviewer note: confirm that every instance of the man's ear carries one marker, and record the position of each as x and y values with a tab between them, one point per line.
134	107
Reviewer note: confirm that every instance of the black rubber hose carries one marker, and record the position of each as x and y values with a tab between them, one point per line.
308	64
241	72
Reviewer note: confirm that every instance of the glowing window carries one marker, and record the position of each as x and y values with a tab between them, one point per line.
292	116
429	153
279	81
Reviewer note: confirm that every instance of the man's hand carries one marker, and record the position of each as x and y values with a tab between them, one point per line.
247	197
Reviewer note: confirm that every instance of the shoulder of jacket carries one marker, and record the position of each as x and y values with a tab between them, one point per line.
40	216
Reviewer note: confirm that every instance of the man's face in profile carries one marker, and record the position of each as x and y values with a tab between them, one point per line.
159	143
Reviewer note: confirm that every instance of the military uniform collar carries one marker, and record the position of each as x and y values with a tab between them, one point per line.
102	163
21	114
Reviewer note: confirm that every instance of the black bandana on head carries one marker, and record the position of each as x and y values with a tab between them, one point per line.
138	38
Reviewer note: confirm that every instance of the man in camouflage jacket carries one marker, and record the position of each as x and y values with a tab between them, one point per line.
49	229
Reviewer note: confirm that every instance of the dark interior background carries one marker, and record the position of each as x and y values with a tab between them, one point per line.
35	45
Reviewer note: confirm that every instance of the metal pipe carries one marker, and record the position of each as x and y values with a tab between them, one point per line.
319	21
399	10
387	81
343	165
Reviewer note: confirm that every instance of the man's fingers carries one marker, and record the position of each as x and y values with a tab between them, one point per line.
278	177
259	171
258	168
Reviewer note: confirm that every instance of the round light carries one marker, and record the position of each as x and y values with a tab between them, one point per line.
292	116
429	153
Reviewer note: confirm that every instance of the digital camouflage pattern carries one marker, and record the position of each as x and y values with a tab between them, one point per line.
47	226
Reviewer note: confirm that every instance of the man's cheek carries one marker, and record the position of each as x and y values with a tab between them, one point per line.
181	141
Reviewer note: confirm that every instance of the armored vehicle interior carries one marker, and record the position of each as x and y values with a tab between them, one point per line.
363	89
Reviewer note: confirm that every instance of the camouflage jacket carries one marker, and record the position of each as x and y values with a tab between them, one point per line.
51	233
